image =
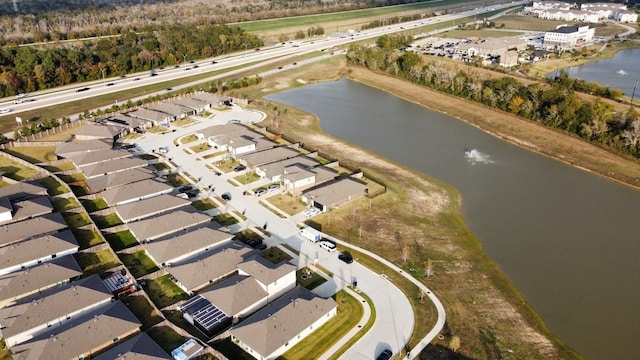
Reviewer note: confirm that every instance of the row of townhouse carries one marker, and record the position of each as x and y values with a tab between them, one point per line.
588	12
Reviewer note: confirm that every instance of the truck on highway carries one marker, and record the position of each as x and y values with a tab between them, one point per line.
311	233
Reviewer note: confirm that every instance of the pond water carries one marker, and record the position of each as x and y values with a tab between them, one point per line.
567	238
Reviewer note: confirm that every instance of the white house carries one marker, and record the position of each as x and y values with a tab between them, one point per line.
569	36
626	16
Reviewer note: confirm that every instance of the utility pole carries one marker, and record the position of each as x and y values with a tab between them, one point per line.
184	58
103	69
634	91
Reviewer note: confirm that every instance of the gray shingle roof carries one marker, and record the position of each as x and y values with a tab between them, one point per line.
136	190
149	207
265	271
114	165
211	265
277	167
51	305
166	249
22	190
168	223
86	158
71	147
140	347
235	294
268	156
337	192
282	320
22	230
79	336
37	248
150	115
20	283
113	180
25	209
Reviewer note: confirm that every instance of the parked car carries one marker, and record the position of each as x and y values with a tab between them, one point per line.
239	168
328	245
346	257
261	247
260	191
184	189
254	243
273	187
311	211
191	194
226	196
386	354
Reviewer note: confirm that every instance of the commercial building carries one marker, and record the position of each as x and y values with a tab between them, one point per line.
569	36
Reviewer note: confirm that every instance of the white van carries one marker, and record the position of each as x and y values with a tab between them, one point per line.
311	233
328	245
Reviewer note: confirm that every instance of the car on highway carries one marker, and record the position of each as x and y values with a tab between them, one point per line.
136	79
82	89
311	212
239	168
109	84
214	62
260	191
295	63
328	245
273	187
346	257
4	110
279	67
386	354
195	66
226	196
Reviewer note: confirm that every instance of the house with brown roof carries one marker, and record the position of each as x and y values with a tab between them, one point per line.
155	117
279	326
207	268
93	131
21	284
112	166
94	157
192	104
25	209
149	207
170	222
139	347
257	158
22	190
334	194
188	243
298	178
136	191
113	180
28	318
174	110
273	171
38	226
78	146
25	254
212	100
83	336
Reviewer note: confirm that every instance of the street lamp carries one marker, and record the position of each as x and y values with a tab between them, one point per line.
634	91
184	58
103	69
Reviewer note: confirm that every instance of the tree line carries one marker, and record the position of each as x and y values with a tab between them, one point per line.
26	69
553	104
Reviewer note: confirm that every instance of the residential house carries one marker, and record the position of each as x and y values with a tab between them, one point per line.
190	103
149	207
26	229
95	157
298	178
82	337
112	166
273	171
334	194
25	209
21	284
22	190
29	318
73	147
212	100
155	117
278	327
139	347
254	159
175	111
93	131
168	223
25	254
113	180
136	191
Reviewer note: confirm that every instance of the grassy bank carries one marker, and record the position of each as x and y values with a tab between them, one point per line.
483	307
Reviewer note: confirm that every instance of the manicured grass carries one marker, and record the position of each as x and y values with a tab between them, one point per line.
121	240
246	235
275	255
70	179
225	219
5	352
163	291
60	167
167	338
79	190
176	318
14	170
76	220
34	154
65	204
227	165
204	205
188	139
87	238
215	154
350	311
96	263
138	263
231	350
161	166
53	186
176	180
95	204
247	178
107	221
362	332
309	279
157	129
287	203
200	147
184	122
143	310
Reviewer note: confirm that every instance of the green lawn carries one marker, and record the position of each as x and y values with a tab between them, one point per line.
167	338
60	167
247	178
34	154
14	170
176	318
138	263
96	263
5	352
53	186
246	235
309	279
144	311
121	240
227	165
87	238
79	190
157	129
231	350
200	148
65	204
225	219
275	255
161	166
75	221
204	205
70	179
106	221
176	180
287	203
95	204
188	139
350	312
184	122
163	291
215	154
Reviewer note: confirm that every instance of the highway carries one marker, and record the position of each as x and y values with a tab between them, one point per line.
243	60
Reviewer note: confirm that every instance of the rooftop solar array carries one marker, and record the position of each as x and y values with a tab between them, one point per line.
204	313
117	282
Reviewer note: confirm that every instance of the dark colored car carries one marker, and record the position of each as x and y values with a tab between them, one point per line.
185	188
82	89
214	62
226	196
261	247
239	168
386	354
191	194
254	243
346	257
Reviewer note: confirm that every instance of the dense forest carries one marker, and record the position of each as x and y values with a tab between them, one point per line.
44	20
25	69
554	104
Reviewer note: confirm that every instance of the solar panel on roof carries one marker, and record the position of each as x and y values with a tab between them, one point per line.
203	312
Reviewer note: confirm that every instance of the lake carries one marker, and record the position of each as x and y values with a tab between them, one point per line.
568	239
